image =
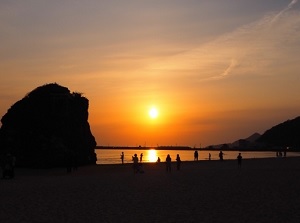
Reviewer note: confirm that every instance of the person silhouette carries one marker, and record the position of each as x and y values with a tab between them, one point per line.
196	155
158	160
141	157
168	163
239	158
122	157
135	163
178	162
221	155
209	156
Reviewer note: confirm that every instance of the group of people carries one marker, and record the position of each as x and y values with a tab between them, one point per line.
196	156
178	161
137	162
135	155
137	166
281	154
169	161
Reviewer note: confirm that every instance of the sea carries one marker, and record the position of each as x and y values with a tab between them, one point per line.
113	156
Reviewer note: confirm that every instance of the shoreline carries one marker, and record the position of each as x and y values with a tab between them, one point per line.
186	148
21	171
184	158
206	160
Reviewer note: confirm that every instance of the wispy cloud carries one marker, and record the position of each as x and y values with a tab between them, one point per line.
227	71
277	16
256	48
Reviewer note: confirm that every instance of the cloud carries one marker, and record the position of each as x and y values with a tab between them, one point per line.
277	16
253	49
227	71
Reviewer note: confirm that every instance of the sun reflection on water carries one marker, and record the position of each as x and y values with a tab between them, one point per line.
152	155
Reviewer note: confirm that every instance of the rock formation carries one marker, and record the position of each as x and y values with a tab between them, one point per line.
284	135
48	128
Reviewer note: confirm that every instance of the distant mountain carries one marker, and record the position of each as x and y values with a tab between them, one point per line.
283	135
286	134
251	139
246	143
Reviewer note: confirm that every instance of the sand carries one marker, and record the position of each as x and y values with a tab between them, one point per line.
262	190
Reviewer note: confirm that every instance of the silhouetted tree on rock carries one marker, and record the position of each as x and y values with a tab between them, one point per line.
47	127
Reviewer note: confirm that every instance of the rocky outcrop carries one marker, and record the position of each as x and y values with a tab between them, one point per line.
48	128
285	134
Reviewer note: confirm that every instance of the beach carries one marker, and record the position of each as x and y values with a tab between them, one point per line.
261	190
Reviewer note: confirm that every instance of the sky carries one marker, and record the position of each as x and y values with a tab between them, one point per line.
216	71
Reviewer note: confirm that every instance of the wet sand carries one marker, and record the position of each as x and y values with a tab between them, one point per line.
262	190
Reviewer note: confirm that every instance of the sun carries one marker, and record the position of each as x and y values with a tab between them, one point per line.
153	113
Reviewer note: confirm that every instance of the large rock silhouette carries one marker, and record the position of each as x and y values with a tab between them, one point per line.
285	134
47	127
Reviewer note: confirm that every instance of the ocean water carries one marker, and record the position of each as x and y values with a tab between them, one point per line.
113	156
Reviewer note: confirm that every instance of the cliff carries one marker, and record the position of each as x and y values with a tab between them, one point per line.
47	127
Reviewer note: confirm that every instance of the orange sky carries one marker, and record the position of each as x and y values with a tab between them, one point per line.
216	70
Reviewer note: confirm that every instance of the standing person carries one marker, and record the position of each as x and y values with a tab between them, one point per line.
239	158
221	155
141	157
178	162
135	160
122	157
209	156
196	155
168	163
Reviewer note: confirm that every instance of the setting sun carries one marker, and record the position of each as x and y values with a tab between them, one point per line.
153	113
177	74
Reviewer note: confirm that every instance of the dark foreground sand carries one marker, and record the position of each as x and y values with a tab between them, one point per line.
263	190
